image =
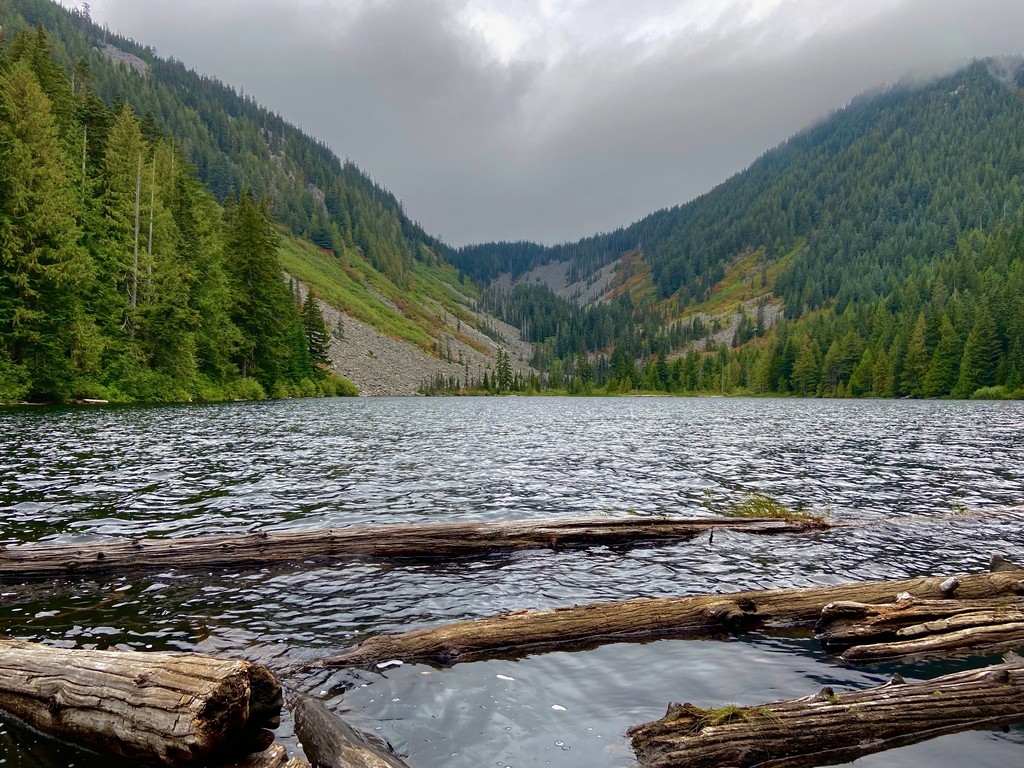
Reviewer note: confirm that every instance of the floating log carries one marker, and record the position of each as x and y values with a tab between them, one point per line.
520	632
426	540
150	708
329	742
920	628
827	729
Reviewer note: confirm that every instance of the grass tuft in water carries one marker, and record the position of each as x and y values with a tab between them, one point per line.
754	504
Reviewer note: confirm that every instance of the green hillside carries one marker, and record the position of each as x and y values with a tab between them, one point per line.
891	231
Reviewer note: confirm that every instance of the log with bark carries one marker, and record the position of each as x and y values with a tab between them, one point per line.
521	632
829	729
149	708
427	540
329	742
921	628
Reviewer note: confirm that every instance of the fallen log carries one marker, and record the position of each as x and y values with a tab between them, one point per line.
329	742
276	756
846	623
521	632
427	540
150	708
827	729
920	628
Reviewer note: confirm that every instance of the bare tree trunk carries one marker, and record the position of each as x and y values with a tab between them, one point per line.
521	632
427	540
153	708
827	729
135	249
149	241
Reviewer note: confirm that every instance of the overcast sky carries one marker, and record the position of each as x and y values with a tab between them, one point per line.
554	119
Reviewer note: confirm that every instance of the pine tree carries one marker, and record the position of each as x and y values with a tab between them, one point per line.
263	309
317	333
882	377
805	369
943	370
915	361
981	354
44	268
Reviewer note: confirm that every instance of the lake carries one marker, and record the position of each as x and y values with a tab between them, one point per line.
936	487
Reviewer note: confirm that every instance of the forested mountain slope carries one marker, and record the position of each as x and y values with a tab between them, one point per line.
123	274
897	218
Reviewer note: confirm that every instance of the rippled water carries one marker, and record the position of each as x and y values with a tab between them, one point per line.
937	486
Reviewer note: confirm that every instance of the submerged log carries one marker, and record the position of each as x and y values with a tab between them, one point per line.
920	628
521	632
150	708
427	540
827	729
329	742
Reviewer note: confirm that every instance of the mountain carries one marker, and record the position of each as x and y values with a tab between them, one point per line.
885	235
170	309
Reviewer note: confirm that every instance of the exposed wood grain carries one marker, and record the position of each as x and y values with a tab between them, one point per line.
845	623
427	540
151	708
513	634
329	742
827	729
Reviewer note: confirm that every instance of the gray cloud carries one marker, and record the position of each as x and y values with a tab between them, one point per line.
559	118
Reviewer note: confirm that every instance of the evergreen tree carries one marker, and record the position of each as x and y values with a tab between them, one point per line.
943	371
882	377
317	332
915	361
981	355
263	307
805	369
44	268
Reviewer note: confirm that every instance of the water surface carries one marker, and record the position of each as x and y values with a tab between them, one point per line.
935	486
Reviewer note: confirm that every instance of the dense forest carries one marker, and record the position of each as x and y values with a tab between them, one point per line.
233	142
891	231
123	277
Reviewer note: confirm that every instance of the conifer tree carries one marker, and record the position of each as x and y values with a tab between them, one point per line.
805	369
44	268
318	334
915	361
882	377
943	370
981	354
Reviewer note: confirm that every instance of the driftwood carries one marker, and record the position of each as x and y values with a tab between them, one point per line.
513	634
920	628
827	729
427	540
274	757
149	708
330	743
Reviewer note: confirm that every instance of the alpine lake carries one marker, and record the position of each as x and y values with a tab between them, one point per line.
935	488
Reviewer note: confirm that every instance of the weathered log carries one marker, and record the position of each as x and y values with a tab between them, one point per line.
843	624
427	540
920	628
276	756
151	708
513	634
827	729
329	742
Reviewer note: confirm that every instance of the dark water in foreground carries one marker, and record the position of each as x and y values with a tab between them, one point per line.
939	486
